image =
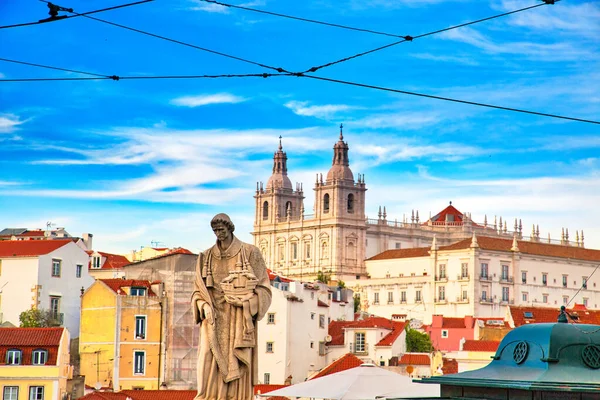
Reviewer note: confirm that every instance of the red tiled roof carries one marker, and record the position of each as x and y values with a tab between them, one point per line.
415	359
481	345
401	253
450	366
390	338
372	322
347	361
450	210
30	248
160	248
143	395
30	336
322	304
454	323
261	389
36	233
105	396
29	339
336	331
117	284
113	261
500	244
273	275
542	314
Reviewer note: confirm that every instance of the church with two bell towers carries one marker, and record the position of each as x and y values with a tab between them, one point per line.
331	239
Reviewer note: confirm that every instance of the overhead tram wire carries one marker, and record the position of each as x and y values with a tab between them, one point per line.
279	70
77	15
409	38
99	76
302	19
473	103
583	284
569	302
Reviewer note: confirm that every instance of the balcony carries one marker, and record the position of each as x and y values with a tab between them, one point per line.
506	279
460	299
440	301
485	277
403	301
58	319
418	300
485	300
441	278
507	301
462	277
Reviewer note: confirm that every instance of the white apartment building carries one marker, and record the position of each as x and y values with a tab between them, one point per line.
480	276
292	337
47	274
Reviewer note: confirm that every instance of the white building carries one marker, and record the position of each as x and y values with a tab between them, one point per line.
373	339
47	274
480	276
337	236
292	336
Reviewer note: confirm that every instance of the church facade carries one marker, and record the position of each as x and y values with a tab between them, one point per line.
338	237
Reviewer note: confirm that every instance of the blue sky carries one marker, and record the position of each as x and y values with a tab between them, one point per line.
152	160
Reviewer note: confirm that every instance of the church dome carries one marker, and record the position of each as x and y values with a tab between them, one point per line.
279	181
340	169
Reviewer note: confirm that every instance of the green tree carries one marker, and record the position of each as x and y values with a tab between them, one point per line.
417	342
37	318
323	277
341	284
356	303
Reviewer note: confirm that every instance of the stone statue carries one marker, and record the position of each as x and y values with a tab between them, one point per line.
232	292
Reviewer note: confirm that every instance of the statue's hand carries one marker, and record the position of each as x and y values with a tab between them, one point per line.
208	315
234	301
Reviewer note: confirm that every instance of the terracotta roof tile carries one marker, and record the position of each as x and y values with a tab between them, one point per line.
160	394
390	338
113	261
261	389
500	244
118	284
372	322
30	336
415	359
347	361
336	331
450	210
401	253
29	339
481	345
453	323
542	314
30	248
273	275
322	304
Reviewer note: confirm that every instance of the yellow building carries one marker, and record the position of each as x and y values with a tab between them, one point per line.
146	253
121	335
34	363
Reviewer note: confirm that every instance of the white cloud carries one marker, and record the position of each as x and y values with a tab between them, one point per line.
559	51
9	123
209	7
465	60
207	99
401	119
319	111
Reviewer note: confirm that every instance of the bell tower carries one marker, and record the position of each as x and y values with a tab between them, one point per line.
278	201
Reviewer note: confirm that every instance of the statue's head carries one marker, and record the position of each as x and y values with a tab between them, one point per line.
222	226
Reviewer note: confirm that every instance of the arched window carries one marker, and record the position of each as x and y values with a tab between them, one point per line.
326	203
288	208
265	210
350	203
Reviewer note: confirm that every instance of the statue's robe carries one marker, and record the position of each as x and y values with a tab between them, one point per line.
227	355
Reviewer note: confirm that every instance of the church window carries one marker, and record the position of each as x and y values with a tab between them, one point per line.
265	210
326	203
307	249
351	251
294	251
288	208
350	203
281	250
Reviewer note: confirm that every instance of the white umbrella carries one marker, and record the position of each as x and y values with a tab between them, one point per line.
364	382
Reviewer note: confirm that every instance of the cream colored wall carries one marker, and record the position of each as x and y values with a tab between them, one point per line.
18	279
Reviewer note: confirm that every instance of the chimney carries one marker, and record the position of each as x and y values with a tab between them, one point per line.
437	320
468	321
87	240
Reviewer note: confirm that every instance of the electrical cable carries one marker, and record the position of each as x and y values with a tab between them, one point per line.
582	285
409	38
473	103
302	19
55	68
280	70
119	78
77	15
